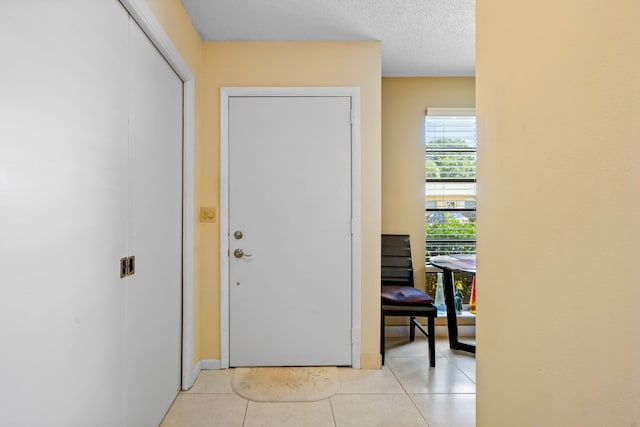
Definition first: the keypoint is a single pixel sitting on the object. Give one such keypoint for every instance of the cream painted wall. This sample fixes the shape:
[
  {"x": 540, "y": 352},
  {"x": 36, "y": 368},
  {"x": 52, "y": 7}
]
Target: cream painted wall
[
  {"x": 174, "y": 19},
  {"x": 301, "y": 64},
  {"x": 404, "y": 102},
  {"x": 558, "y": 103}
]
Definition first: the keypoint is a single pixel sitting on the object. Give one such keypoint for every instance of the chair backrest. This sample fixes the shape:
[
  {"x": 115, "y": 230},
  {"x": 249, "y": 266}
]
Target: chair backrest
[{"x": 397, "y": 265}]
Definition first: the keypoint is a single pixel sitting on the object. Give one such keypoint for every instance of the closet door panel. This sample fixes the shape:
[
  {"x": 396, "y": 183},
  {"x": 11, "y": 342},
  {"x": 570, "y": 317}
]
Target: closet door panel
[
  {"x": 153, "y": 313},
  {"x": 63, "y": 158}
]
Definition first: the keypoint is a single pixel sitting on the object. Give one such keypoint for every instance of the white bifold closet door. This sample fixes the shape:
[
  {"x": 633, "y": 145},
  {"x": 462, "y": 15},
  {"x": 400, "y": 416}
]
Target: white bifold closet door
[
  {"x": 154, "y": 292},
  {"x": 63, "y": 217},
  {"x": 90, "y": 172}
]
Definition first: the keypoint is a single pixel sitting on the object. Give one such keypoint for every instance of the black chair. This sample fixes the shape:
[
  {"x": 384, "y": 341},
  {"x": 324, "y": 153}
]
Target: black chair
[{"x": 399, "y": 296}]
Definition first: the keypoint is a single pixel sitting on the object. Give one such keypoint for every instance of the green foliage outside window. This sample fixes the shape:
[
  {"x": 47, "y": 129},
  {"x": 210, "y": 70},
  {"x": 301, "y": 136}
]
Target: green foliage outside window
[
  {"x": 451, "y": 228},
  {"x": 447, "y": 164}
]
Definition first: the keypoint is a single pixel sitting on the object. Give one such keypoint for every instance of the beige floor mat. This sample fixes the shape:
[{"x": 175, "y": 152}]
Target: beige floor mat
[{"x": 286, "y": 384}]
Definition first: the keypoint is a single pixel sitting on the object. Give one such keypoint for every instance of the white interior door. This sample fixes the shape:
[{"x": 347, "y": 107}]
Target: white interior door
[
  {"x": 63, "y": 159},
  {"x": 153, "y": 313},
  {"x": 290, "y": 197}
]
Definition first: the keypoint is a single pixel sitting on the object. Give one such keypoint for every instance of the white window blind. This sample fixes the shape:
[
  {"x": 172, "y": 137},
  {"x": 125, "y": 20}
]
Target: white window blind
[{"x": 450, "y": 181}]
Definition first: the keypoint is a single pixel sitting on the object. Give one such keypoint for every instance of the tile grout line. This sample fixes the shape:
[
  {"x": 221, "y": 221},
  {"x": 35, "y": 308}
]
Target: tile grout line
[
  {"x": 333, "y": 414},
  {"x": 453, "y": 360},
  {"x": 465, "y": 374},
  {"x": 408, "y": 395},
  {"x": 246, "y": 410},
  {"x": 449, "y": 357}
]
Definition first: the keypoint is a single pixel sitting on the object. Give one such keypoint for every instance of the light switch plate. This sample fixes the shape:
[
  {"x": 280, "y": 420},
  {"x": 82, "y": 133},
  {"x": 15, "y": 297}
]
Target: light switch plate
[{"x": 207, "y": 214}]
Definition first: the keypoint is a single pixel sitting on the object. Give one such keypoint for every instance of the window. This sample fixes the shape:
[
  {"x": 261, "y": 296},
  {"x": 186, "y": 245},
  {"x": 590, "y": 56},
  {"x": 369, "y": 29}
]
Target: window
[{"x": 450, "y": 181}]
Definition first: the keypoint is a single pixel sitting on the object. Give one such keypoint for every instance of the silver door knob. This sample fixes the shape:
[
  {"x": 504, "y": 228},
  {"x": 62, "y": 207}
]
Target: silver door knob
[{"x": 238, "y": 253}]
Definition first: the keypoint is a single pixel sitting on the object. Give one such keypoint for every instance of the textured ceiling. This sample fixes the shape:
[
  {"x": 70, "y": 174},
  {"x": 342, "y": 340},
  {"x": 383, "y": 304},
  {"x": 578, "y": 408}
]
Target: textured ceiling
[{"x": 419, "y": 37}]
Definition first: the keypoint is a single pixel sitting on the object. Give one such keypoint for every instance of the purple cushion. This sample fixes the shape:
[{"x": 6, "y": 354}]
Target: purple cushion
[{"x": 408, "y": 295}]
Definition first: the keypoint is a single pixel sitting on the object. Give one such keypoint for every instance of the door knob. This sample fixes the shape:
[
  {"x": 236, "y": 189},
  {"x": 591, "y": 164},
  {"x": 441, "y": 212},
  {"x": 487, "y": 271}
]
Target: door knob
[{"x": 238, "y": 253}]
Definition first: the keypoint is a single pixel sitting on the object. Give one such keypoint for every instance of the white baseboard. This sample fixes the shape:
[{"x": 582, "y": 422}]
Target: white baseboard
[
  {"x": 187, "y": 383},
  {"x": 210, "y": 364},
  {"x": 203, "y": 364}
]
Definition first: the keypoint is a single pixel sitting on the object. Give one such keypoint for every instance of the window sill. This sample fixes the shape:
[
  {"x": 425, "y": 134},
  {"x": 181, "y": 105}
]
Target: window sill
[{"x": 464, "y": 318}]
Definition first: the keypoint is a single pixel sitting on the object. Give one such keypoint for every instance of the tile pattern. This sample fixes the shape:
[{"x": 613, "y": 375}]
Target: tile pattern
[{"x": 405, "y": 392}]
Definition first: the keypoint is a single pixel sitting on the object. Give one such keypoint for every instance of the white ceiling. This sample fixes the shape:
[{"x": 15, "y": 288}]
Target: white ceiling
[{"x": 419, "y": 37}]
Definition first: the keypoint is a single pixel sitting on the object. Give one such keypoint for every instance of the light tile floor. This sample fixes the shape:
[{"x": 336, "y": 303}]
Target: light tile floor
[{"x": 404, "y": 393}]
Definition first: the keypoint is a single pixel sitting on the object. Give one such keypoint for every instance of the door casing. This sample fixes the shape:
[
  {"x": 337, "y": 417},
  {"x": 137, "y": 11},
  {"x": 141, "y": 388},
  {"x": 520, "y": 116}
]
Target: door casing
[{"x": 225, "y": 94}]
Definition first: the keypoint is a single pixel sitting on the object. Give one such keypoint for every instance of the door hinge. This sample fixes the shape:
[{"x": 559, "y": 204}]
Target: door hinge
[{"x": 127, "y": 266}]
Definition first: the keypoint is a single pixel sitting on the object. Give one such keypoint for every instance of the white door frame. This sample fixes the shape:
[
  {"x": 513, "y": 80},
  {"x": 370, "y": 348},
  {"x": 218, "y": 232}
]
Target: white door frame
[
  {"x": 354, "y": 93},
  {"x": 144, "y": 17}
]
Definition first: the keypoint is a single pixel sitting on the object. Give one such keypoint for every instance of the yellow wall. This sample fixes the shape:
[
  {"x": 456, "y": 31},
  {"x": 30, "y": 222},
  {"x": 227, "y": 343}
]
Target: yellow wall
[
  {"x": 305, "y": 64},
  {"x": 558, "y": 104},
  {"x": 404, "y": 103}
]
